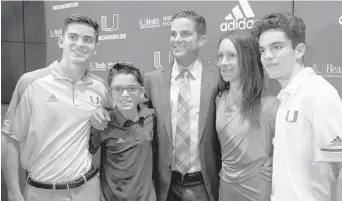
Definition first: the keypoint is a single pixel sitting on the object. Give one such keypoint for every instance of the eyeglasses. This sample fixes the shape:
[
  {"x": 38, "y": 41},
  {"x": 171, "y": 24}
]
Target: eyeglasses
[{"x": 118, "y": 90}]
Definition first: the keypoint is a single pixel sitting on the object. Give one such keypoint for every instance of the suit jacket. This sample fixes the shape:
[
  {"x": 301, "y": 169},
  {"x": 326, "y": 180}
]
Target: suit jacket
[{"x": 157, "y": 89}]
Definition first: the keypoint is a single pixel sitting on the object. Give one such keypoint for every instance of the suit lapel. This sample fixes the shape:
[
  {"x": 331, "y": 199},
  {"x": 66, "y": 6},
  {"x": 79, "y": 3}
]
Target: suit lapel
[
  {"x": 164, "y": 90},
  {"x": 206, "y": 90}
]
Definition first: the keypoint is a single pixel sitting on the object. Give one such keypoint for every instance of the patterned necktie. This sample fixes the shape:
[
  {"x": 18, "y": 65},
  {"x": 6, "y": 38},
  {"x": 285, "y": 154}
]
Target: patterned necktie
[{"x": 182, "y": 135}]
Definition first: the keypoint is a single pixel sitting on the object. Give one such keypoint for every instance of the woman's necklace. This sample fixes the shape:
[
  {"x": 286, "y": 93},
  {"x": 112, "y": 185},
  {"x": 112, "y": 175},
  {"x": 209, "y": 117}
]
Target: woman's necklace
[{"x": 229, "y": 104}]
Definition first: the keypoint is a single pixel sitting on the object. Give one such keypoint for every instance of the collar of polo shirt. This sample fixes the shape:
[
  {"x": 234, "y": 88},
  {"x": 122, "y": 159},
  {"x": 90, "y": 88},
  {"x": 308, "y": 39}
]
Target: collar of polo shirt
[
  {"x": 117, "y": 118},
  {"x": 57, "y": 73},
  {"x": 297, "y": 81}
]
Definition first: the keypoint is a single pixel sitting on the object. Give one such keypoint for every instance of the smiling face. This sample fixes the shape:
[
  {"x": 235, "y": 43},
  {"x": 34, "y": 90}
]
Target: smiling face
[
  {"x": 228, "y": 61},
  {"x": 126, "y": 91},
  {"x": 278, "y": 57},
  {"x": 78, "y": 43},
  {"x": 184, "y": 40}
]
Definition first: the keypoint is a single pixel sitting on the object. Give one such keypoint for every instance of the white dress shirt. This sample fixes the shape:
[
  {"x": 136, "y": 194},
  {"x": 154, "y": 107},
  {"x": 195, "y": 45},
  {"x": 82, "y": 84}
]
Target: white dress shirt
[{"x": 195, "y": 96}]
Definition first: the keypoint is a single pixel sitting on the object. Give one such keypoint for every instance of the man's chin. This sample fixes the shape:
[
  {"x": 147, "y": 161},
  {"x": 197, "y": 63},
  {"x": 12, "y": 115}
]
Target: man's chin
[
  {"x": 81, "y": 57},
  {"x": 179, "y": 55},
  {"x": 125, "y": 107},
  {"x": 79, "y": 60}
]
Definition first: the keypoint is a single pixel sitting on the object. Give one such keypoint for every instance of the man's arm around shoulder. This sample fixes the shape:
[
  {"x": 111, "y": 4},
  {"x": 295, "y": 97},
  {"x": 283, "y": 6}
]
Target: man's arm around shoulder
[{"x": 95, "y": 140}]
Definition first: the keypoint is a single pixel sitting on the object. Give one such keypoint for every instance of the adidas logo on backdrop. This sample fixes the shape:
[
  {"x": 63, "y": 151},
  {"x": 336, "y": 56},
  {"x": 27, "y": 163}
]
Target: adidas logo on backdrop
[{"x": 240, "y": 19}]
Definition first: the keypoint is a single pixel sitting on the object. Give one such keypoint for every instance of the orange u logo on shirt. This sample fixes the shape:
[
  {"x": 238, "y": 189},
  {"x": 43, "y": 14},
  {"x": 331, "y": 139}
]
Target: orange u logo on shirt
[
  {"x": 149, "y": 135},
  {"x": 97, "y": 100},
  {"x": 291, "y": 116}
]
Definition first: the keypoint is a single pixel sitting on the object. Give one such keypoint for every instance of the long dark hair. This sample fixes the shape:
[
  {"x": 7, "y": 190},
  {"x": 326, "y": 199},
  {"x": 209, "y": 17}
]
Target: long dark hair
[{"x": 251, "y": 73}]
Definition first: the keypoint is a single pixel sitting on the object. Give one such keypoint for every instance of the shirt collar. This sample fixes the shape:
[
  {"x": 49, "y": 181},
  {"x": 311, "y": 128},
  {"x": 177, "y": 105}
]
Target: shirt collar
[
  {"x": 295, "y": 83},
  {"x": 57, "y": 73},
  {"x": 193, "y": 68},
  {"x": 117, "y": 118}
]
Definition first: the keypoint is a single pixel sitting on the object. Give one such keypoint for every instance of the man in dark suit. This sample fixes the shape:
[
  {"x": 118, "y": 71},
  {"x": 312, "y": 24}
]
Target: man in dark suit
[{"x": 187, "y": 150}]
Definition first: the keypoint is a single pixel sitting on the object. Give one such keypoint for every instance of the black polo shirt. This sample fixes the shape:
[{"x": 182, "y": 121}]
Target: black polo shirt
[{"x": 126, "y": 156}]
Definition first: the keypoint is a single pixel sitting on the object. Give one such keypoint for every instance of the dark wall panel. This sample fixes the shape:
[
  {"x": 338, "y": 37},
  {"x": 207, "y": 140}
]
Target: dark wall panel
[
  {"x": 12, "y": 67},
  {"x": 35, "y": 56},
  {"x": 12, "y": 28},
  {"x": 23, "y": 42},
  {"x": 34, "y": 22}
]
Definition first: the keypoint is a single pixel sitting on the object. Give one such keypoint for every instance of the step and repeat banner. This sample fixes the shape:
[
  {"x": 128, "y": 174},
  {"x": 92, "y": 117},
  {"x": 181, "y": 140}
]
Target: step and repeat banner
[
  {"x": 138, "y": 32},
  {"x": 324, "y": 38}
]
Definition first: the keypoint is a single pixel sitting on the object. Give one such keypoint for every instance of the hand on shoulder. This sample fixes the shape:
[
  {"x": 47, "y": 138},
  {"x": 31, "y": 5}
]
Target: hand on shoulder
[{"x": 270, "y": 103}]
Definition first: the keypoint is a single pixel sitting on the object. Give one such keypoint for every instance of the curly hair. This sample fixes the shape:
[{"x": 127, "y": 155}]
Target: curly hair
[{"x": 293, "y": 26}]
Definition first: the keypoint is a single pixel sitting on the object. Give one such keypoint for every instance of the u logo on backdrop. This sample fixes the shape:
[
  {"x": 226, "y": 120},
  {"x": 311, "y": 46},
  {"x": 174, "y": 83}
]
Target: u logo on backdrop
[{"x": 114, "y": 24}]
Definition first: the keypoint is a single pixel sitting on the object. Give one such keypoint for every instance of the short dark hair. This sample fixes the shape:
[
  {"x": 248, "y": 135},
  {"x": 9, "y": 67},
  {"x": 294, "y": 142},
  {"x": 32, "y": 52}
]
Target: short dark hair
[
  {"x": 251, "y": 73},
  {"x": 124, "y": 68},
  {"x": 82, "y": 19},
  {"x": 293, "y": 26},
  {"x": 201, "y": 25}
]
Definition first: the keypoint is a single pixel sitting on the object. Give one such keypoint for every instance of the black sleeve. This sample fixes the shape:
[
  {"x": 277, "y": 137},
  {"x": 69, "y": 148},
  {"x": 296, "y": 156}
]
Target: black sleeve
[
  {"x": 147, "y": 87},
  {"x": 95, "y": 140},
  {"x": 155, "y": 150}
]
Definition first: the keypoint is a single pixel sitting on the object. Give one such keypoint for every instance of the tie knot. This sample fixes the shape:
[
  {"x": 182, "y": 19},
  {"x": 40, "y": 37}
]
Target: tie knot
[{"x": 185, "y": 73}]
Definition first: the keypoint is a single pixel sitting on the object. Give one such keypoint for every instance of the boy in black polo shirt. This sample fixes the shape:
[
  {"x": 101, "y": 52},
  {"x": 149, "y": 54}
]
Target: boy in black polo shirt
[{"x": 126, "y": 154}]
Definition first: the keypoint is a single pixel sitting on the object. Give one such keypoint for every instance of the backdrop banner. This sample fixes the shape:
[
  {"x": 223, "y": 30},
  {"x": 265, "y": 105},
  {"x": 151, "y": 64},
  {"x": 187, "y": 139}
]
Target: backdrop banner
[{"x": 139, "y": 32}]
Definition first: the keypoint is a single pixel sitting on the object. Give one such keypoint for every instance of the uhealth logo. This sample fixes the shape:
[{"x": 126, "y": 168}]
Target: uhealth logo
[
  {"x": 328, "y": 70},
  {"x": 238, "y": 19}
]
